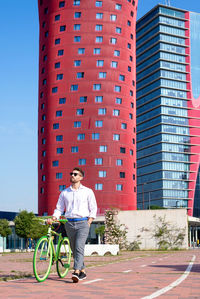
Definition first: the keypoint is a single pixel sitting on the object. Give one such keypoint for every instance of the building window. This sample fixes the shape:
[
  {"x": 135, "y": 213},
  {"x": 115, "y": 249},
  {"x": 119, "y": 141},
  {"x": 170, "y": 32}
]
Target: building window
[
  {"x": 77, "y": 39},
  {"x": 123, "y": 126},
  {"x": 113, "y": 40},
  {"x": 95, "y": 136},
  {"x": 129, "y": 46},
  {"x": 98, "y": 186},
  {"x": 122, "y": 150},
  {"x": 59, "y": 175},
  {"x": 81, "y": 50},
  {"x": 59, "y": 77},
  {"x": 98, "y": 27},
  {"x": 60, "y": 52},
  {"x": 102, "y": 174},
  {"x": 57, "y": 17},
  {"x": 44, "y": 82},
  {"x": 62, "y": 28},
  {"x": 43, "y": 153},
  {"x": 96, "y": 86},
  {"x": 132, "y": 105},
  {"x": 42, "y": 130},
  {"x": 99, "y": 16},
  {"x": 131, "y": 93},
  {"x": 45, "y": 58},
  {"x": 41, "y": 94},
  {"x": 80, "y": 111},
  {"x": 59, "y": 138},
  {"x": 61, "y": 4},
  {"x": 119, "y": 162},
  {"x": 76, "y": 2},
  {"x": 43, "y": 70},
  {"x": 42, "y": 106},
  {"x": 42, "y": 190},
  {"x": 43, "y": 47},
  {"x": 119, "y": 187},
  {"x": 74, "y": 87},
  {"x": 117, "y": 88},
  {"x": 74, "y": 149},
  {"x": 43, "y": 140},
  {"x": 57, "y": 41},
  {"x": 103, "y": 148},
  {"x": 129, "y": 23},
  {"x": 77, "y": 27},
  {"x": 55, "y": 163},
  {"x": 116, "y": 53},
  {"x": 82, "y": 162},
  {"x": 98, "y": 99},
  {"x": 121, "y": 77},
  {"x": 131, "y": 36},
  {"x": 43, "y": 117},
  {"x": 133, "y": 140},
  {"x": 116, "y": 137},
  {"x": 81, "y": 136},
  {"x": 77, "y": 124},
  {"x": 54, "y": 89},
  {"x": 83, "y": 99},
  {"x": 97, "y": 51},
  {"x": 99, "y": 123},
  {"x": 59, "y": 150},
  {"x": 62, "y": 187},
  {"x": 77, "y": 62},
  {"x": 57, "y": 65},
  {"x": 118, "y": 30},
  {"x": 113, "y": 17},
  {"x": 43, "y": 178},
  {"x": 118, "y": 101},
  {"x": 118, "y": 6},
  {"x": 122, "y": 175},
  {"x": 114, "y": 64},
  {"x": 77, "y": 14},
  {"x": 102, "y": 111},
  {"x": 80, "y": 75},
  {"x": 100, "y": 62},
  {"x": 133, "y": 177},
  {"x": 102, "y": 75},
  {"x": 56, "y": 126},
  {"x": 98, "y": 161},
  {"x": 46, "y": 34},
  {"x": 131, "y": 152},
  {"x": 99, "y": 39},
  {"x": 62, "y": 100},
  {"x": 130, "y": 115},
  {"x": 98, "y": 3}
]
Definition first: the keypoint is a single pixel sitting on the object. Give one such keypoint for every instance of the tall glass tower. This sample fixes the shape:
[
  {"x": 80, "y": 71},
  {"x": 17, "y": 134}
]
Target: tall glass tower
[
  {"x": 168, "y": 109},
  {"x": 87, "y": 100}
]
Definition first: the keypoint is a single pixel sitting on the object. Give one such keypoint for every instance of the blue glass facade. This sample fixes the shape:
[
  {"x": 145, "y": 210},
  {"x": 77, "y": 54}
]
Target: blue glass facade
[{"x": 163, "y": 137}]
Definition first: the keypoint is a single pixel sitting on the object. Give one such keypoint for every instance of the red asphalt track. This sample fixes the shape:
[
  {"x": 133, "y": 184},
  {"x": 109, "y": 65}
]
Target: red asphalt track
[{"x": 174, "y": 275}]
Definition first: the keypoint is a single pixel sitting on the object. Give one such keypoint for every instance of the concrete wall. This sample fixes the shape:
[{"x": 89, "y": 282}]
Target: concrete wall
[{"x": 143, "y": 223}]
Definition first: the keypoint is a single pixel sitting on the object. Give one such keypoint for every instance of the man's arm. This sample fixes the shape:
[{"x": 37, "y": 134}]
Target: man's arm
[{"x": 92, "y": 205}]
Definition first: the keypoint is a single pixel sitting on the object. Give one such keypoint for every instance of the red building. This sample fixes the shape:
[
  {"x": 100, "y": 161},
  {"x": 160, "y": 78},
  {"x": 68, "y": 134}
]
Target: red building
[{"x": 87, "y": 99}]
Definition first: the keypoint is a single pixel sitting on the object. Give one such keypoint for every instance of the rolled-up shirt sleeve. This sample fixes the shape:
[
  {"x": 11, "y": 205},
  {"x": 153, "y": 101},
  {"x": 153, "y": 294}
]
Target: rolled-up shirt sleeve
[
  {"x": 60, "y": 207},
  {"x": 92, "y": 204}
]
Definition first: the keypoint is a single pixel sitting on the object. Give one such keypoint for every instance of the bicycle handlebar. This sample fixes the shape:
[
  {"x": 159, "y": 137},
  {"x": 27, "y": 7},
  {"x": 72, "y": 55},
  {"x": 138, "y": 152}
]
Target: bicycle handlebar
[{"x": 62, "y": 220}]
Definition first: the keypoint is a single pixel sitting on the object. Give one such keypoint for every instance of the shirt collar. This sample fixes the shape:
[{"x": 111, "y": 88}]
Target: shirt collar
[{"x": 74, "y": 190}]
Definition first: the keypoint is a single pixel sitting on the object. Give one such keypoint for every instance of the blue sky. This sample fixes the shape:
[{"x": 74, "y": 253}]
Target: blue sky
[{"x": 18, "y": 99}]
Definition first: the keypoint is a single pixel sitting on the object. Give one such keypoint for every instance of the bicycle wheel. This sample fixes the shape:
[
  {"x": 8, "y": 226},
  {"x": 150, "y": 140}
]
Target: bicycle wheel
[
  {"x": 64, "y": 258},
  {"x": 42, "y": 259}
]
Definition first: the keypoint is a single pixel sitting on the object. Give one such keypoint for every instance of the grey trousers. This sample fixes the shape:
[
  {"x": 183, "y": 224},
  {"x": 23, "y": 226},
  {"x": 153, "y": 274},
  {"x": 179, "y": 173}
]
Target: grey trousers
[{"x": 77, "y": 233}]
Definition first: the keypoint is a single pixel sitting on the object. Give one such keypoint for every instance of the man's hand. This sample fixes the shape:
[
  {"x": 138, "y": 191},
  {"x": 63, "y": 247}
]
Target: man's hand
[
  {"x": 51, "y": 220},
  {"x": 90, "y": 221}
]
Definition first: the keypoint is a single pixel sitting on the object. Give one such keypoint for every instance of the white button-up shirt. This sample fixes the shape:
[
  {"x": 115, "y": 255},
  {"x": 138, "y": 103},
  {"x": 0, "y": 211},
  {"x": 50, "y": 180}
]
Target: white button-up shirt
[{"x": 76, "y": 203}]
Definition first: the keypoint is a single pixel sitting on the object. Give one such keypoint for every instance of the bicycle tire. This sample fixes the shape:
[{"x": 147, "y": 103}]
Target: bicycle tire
[
  {"x": 42, "y": 259},
  {"x": 64, "y": 258}
]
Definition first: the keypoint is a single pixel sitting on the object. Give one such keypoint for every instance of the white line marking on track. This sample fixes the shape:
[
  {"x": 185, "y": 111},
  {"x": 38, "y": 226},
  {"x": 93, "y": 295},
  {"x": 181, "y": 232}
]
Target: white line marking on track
[
  {"x": 91, "y": 281},
  {"x": 143, "y": 266},
  {"x": 127, "y": 271},
  {"x": 153, "y": 262},
  {"x": 173, "y": 284}
]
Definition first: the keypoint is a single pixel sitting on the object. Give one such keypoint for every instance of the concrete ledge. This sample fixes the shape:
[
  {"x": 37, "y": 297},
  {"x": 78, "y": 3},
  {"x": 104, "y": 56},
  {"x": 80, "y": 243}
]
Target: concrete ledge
[{"x": 101, "y": 249}]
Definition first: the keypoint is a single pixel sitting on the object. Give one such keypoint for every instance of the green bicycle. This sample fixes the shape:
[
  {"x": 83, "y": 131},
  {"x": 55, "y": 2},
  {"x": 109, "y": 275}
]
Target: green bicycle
[{"x": 45, "y": 254}]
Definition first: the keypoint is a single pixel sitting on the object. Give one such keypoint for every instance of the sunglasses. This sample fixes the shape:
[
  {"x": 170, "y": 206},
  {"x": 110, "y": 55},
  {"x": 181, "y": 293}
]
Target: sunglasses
[{"x": 74, "y": 173}]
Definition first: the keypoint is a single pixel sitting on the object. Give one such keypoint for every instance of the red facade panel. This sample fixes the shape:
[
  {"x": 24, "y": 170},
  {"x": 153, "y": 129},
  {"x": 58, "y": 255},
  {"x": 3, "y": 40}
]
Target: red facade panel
[{"x": 87, "y": 86}]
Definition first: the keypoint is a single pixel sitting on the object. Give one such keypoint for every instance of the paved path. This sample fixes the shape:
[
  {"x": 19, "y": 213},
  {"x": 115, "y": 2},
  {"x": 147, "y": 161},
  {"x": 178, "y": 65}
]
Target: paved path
[{"x": 143, "y": 275}]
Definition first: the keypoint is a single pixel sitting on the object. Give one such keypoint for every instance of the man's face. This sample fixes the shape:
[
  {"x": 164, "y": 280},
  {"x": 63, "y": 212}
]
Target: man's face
[{"x": 75, "y": 176}]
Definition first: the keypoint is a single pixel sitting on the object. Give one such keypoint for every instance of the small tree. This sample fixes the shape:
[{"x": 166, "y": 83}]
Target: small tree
[
  {"x": 100, "y": 230},
  {"x": 23, "y": 224},
  {"x": 115, "y": 233},
  {"x": 5, "y": 230}
]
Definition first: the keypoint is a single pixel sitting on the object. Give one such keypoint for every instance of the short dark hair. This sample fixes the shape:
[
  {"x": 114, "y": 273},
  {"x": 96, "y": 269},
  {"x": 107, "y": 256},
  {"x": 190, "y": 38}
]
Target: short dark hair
[{"x": 80, "y": 170}]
